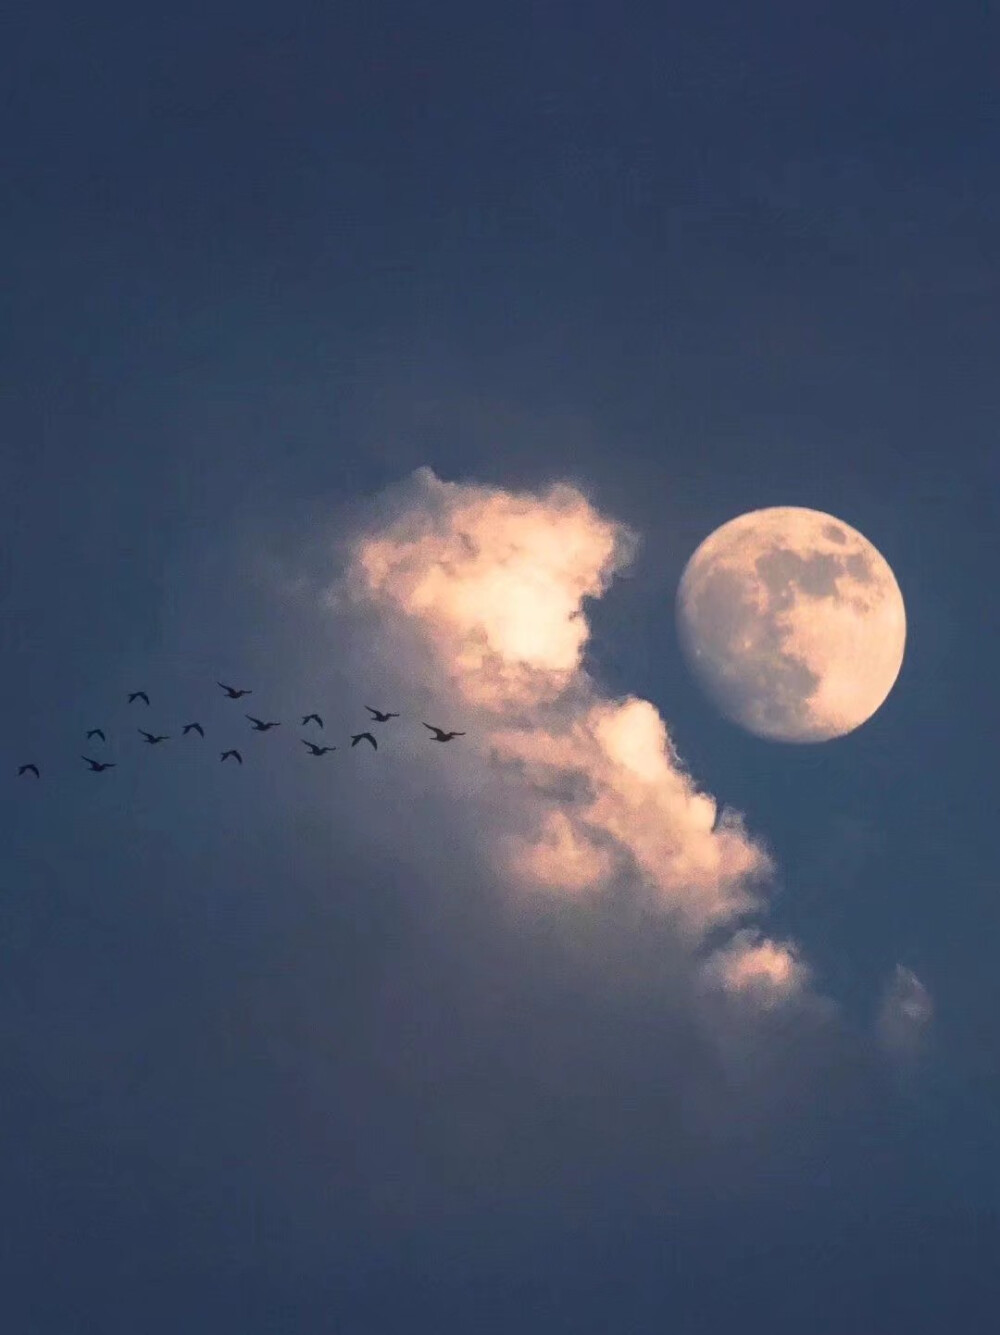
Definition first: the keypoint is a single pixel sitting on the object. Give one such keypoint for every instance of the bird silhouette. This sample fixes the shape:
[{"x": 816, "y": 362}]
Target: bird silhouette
[
  {"x": 440, "y": 735},
  {"x": 96, "y": 732},
  {"x": 23, "y": 769},
  {"x": 138, "y": 695},
  {"x": 98, "y": 765},
  {"x": 233, "y": 692},
  {"x": 152, "y": 738},
  {"x": 378, "y": 716},
  {"x": 312, "y": 716},
  {"x": 361, "y": 736},
  {"x": 317, "y": 750},
  {"x": 259, "y": 725},
  {"x": 193, "y": 727},
  {"x": 236, "y": 754}
]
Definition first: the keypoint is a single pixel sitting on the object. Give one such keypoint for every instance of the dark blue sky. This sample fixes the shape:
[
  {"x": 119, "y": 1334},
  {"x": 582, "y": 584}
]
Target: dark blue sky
[{"x": 260, "y": 263}]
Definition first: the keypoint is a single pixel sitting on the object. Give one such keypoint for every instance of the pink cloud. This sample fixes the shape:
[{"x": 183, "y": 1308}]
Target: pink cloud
[
  {"x": 760, "y": 970},
  {"x": 485, "y": 589}
]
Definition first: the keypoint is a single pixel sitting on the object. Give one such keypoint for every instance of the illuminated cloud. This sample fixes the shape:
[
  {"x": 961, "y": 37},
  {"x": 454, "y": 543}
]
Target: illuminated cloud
[
  {"x": 905, "y": 1013},
  {"x": 497, "y": 582},
  {"x": 766, "y": 973},
  {"x": 490, "y": 586},
  {"x": 633, "y": 811}
]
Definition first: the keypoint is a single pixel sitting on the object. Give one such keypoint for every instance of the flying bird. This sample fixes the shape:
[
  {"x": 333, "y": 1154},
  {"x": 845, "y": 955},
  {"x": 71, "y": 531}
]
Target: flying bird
[
  {"x": 312, "y": 716},
  {"x": 23, "y": 769},
  {"x": 440, "y": 735},
  {"x": 96, "y": 732},
  {"x": 317, "y": 750},
  {"x": 152, "y": 738},
  {"x": 378, "y": 716},
  {"x": 98, "y": 765},
  {"x": 360, "y": 736},
  {"x": 138, "y": 695},
  {"x": 235, "y": 754},
  {"x": 233, "y": 692},
  {"x": 193, "y": 727},
  {"x": 259, "y": 725}
]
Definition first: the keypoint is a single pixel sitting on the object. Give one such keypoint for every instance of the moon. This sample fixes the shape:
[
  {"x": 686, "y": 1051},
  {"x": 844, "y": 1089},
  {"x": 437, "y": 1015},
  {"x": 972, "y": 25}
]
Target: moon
[{"x": 792, "y": 623}]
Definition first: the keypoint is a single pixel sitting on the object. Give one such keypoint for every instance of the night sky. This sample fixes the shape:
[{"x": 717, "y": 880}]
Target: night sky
[{"x": 332, "y": 1044}]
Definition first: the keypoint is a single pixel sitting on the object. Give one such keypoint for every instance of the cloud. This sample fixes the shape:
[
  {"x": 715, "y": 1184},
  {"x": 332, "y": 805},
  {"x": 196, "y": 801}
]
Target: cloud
[
  {"x": 904, "y": 1015},
  {"x": 486, "y": 589},
  {"x": 766, "y": 973},
  {"x": 497, "y": 581},
  {"x": 527, "y": 965}
]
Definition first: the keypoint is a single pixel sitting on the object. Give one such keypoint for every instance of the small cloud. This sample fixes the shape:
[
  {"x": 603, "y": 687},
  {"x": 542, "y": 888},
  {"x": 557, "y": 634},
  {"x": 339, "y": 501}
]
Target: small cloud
[
  {"x": 905, "y": 1014},
  {"x": 765, "y": 973}
]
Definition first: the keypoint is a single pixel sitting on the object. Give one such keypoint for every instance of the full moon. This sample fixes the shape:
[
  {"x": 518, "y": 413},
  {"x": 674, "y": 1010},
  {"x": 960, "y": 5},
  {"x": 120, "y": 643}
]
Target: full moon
[{"x": 792, "y": 623}]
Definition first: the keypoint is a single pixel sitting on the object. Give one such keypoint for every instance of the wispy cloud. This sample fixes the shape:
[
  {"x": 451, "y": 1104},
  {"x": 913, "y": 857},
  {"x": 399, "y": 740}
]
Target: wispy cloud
[{"x": 905, "y": 1014}]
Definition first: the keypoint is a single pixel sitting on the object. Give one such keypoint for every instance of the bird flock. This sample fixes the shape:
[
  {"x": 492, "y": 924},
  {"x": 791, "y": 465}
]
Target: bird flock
[{"x": 233, "y": 753}]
